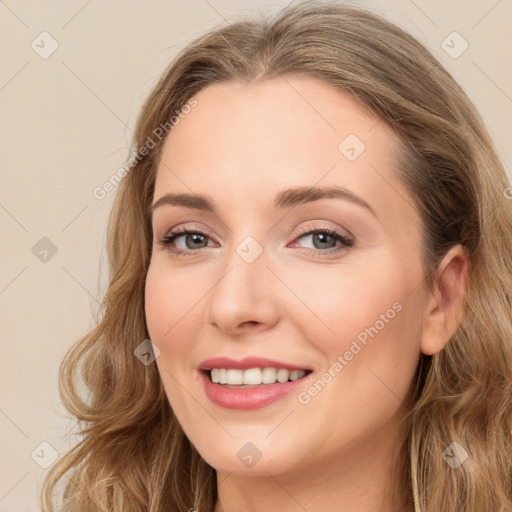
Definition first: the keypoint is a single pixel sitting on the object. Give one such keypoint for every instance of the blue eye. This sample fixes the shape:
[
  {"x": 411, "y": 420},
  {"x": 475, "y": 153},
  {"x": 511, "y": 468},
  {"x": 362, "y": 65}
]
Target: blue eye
[
  {"x": 323, "y": 235},
  {"x": 320, "y": 235},
  {"x": 189, "y": 234}
]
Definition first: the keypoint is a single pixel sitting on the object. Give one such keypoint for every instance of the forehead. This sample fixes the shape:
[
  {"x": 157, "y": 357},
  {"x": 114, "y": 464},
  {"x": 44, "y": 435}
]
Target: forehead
[
  {"x": 244, "y": 142},
  {"x": 275, "y": 113}
]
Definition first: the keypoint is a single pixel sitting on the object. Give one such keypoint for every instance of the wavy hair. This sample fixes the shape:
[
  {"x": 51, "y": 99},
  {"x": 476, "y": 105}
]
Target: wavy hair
[{"x": 133, "y": 454}]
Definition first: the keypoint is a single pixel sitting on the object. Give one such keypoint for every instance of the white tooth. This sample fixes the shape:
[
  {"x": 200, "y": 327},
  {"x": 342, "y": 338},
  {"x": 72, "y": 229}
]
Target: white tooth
[
  {"x": 297, "y": 374},
  {"x": 234, "y": 377},
  {"x": 252, "y": 376},
  {"x": 268, "y": 375},
  {"x": 283, "y": 375}
]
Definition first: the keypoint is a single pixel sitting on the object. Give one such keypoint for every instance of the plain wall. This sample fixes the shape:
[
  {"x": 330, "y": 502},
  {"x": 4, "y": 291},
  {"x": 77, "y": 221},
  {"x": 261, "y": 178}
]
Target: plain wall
[{"x": 66, "y": 124}]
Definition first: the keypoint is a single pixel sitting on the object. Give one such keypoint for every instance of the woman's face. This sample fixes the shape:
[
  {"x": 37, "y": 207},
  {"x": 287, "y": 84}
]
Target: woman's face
[{"x": 258, "y": 281}]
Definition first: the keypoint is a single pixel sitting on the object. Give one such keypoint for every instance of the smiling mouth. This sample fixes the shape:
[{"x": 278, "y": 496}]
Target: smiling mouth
[{"x": 253, "y": 377}]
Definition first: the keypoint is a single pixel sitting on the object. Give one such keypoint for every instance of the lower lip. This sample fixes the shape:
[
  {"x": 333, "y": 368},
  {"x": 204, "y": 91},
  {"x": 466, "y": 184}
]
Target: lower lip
[{"x": 249, "y": 398}]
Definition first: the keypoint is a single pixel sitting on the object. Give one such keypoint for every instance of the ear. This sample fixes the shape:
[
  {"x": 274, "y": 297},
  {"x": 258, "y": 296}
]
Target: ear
[{"x": 444, "y": 310}]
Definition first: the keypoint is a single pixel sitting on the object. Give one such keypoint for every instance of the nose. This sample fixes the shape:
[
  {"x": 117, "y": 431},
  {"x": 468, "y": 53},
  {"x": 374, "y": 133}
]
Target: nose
[{"x": 245, "y": 297}]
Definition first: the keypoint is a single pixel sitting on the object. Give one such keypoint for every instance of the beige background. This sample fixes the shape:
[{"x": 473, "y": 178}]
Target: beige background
[{"x": 66, "y": 126}]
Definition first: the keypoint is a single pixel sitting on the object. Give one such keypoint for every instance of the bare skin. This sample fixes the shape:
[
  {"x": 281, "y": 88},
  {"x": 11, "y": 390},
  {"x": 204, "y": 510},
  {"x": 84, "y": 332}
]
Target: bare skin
[{"x": 304, "y": 300}]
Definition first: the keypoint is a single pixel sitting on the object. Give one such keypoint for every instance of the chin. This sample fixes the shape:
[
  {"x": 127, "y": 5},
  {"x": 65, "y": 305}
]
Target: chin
[{"x": 247, "y": 458}]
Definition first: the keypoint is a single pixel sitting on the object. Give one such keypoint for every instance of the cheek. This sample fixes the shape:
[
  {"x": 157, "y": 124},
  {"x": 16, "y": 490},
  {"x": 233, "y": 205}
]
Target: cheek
[
  {"x": 380, "y": 344},
  {"x": 369, "y": 337},
  {"x": 347, "y": 301},
  {"x": 170, "y": 303},
  {"x": 372, "y": 319},
  {"x": 170, "y": 317}
]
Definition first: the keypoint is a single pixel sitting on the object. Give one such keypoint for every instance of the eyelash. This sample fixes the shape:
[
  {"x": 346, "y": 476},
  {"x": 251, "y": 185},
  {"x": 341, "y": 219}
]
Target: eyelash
[{"x": 345, "y": 242}]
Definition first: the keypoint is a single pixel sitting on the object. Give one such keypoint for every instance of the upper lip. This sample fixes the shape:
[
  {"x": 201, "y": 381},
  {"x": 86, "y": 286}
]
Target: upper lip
[{"x": 248, "y": 362}]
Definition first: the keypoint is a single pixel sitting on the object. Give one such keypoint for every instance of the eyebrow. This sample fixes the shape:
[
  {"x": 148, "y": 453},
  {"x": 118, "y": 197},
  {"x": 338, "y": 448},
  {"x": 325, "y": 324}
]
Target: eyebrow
[{"x": 288, "y": 198}]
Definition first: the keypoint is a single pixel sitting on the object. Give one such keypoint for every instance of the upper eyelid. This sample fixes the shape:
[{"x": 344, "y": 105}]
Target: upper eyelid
[{"x": 303, "y": 229}]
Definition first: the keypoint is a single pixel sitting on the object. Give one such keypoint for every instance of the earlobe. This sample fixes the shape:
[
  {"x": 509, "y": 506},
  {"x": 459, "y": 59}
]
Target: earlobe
[{"x": 445, "y": 307}]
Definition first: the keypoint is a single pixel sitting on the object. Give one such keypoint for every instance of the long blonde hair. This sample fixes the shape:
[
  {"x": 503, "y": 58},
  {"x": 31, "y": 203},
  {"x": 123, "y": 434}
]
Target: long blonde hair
[{"x": 133, "y": 455}]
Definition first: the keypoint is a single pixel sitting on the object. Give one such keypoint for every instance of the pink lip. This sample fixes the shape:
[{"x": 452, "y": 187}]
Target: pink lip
[
  {"x": 249, "y": 398},
  {"x": 253, "y": 397},
  {"x": 246, "y": 363}
]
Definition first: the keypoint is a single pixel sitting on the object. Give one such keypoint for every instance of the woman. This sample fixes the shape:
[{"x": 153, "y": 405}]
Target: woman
[{"x": 371, "y": 373}]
